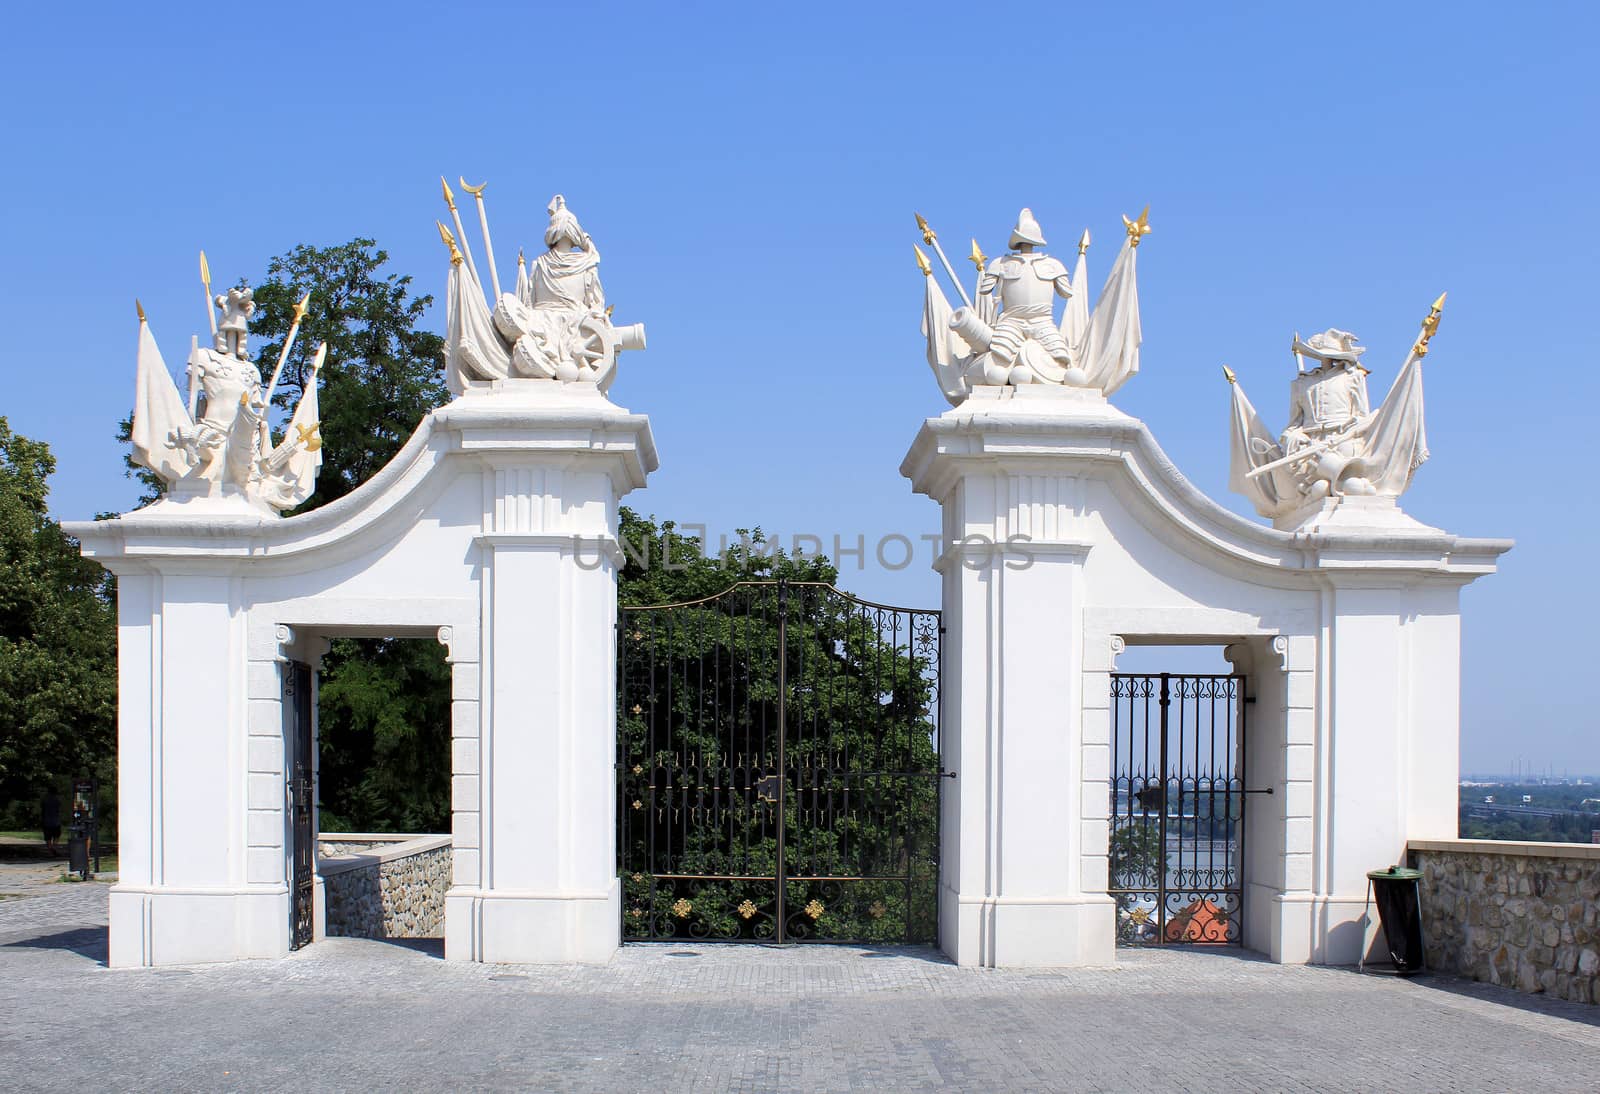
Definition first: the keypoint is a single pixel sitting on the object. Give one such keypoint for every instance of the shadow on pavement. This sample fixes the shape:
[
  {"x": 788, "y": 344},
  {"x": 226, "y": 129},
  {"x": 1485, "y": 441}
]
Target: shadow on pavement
[
  {"x": 1585, "y": 1013},
  {"x": 87, "y": 942}
]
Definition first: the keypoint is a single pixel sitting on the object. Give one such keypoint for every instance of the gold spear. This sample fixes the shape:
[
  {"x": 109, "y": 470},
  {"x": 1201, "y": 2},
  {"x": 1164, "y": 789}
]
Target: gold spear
[
  {"x": 211, "y": 304},
  {"x": 1228, "y": 372},
  {"x": 483, "y": 222},
  {"x": 1430, "y": 327},
  {"x": 138, "y": 307},
  {"x": 1083, "y": 243},
  {"x": 288, "y": 344},
  {"x": 931, "y": 238},
  {"x": 449, "y": 241},
  {"x": 922, "y": 262},
  {"x": 450, "y": 200}
]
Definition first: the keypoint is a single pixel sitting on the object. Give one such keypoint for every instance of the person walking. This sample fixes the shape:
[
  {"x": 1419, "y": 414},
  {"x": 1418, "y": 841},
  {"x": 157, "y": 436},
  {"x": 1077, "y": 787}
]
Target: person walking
[{"x": 50, "y": 821}]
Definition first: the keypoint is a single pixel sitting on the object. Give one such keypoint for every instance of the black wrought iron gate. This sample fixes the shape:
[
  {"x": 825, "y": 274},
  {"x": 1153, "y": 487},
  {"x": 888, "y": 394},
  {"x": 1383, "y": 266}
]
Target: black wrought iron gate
[
  {"x": 778, "y": 767},
  {"x": 1177, "y": 808},
  {"x": 297, "y": 700}
]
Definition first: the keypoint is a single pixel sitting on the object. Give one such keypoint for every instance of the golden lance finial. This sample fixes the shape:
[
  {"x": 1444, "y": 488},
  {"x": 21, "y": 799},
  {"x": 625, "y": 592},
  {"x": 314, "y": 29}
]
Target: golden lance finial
[
  {"x": 300, "y": 308},
  {"x": 138, "y": 307},
  {"x": 609, "y": 309},
  {"x": 449, "y": 198},
  {"x": 1430, "y": 327},
  {"x": 321, "y": 356},
  {"x": 977, "y": 257},
  {"x": 1083, "y": 242},
  {"x": 449, "y": 241},
  {"x": 520, "y": 260},
  {"x": 922, "y": 262},
  {"x": 473, "y": 190},
  {"x": 928, "y": 234},
  {"x": 211, "y": 304},
  {"x": 1228, "y": 372},
  {"x": 1137, "y": 229}
]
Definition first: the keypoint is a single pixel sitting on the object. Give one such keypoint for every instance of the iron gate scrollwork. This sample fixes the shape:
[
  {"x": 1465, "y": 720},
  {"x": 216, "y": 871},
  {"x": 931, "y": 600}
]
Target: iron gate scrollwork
[
  {"x": 779, "y": 771},
  {"x": 302, "y": 803},
  {"x": 1177, "y": 808}
]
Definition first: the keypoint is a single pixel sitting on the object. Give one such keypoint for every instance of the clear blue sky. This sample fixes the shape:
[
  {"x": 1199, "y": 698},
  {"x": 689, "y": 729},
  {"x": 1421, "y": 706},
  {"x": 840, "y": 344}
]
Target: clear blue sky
[{"x": 750, "y": 172}]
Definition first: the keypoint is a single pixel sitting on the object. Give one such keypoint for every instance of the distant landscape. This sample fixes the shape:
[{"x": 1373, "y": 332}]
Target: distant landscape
[{"x": 1560, "y": 810}]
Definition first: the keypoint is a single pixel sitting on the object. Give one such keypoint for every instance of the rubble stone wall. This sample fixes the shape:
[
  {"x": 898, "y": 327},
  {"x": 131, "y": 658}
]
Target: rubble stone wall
[
  {"x": 1524, "y": 915},
  {"x": 392, "y": 889}
]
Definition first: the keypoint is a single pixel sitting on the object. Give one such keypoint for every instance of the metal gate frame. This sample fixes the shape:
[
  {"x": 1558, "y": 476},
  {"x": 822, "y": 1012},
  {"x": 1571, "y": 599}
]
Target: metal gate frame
[
  {"x": 778, "y": 780},
  {"x": 302, "y": 802},
  {"x": 1197, "y": 899}
]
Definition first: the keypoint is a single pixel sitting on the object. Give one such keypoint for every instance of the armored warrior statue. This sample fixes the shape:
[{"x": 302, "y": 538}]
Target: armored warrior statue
[
  {"x": 1335, "y": 445},
  {"x": 1009, "y": 337},
  {"x": 556, "y": 326},
  {"x": 224, "y": 448},
  {"x": 1026, "y": 282}
]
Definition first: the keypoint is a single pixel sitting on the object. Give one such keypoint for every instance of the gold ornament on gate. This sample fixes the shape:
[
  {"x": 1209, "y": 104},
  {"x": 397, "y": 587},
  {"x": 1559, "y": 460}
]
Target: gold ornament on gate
[
  {"x": 747, "y": 909},
  {"x": 681, "y": 907}
]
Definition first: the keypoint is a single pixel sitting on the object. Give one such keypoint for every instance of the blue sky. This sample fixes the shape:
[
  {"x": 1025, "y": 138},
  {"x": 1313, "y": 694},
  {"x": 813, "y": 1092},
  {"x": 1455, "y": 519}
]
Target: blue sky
[{"x": 750, "y": 173}]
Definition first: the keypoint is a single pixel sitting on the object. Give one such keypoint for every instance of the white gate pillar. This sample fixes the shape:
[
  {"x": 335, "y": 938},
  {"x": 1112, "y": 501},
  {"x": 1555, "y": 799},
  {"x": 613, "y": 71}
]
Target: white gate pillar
[
  {"x": 543, "y": 885},
  {"x": 1023, "y": 854}
]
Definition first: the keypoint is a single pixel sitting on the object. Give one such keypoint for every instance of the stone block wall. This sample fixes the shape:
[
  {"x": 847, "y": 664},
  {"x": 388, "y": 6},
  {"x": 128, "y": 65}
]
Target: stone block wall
[
  {"x": 393, "y": 888},
  {"x": 1524, "y": 915}
]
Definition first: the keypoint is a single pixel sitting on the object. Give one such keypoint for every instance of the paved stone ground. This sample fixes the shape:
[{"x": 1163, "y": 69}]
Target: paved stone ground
[{"x": 354, "y": 1014}]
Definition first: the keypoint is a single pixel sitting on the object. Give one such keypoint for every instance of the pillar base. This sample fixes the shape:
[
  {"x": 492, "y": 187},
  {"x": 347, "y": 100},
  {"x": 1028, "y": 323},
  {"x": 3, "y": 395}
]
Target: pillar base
[
  {"x": 501, "y": 926},
  {"x": 151, "y": 927},
  {"x": 1019, "y": 933}
]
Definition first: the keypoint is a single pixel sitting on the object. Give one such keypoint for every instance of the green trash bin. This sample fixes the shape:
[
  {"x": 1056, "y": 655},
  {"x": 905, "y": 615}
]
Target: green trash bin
[{"x": 1398, "y": 892}]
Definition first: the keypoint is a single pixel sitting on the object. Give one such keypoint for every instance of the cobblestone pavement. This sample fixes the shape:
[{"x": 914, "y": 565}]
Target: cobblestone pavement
[{"x": 353, "y": 1014}]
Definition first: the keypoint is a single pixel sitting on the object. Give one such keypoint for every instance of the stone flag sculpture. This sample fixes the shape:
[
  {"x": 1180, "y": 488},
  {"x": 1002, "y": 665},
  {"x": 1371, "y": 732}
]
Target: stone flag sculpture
[
  {"x": 556, "y": 325},
  {"x": 1335, "y": 444},
  {"x": 221, "y": 448},
  {"x": 1009, "y": 336}
]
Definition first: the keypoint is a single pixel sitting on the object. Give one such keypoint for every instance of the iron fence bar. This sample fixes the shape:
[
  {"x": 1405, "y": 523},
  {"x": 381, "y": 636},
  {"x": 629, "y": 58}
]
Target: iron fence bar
[{"x": 783, "y": 779}]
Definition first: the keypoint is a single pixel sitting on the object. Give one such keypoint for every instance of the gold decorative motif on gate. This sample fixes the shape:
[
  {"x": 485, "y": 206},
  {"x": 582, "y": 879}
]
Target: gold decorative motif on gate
[
  {"x": 637, "y": 709},
  {"x": 638, "y": 879},
  {"x": 638, "y": 769},
  {"x": 815, "y": 909},
  {"x": 637, "y": 804},
  {"x": 877, "y": 909},
  {"x": 681, "y": 907},
  {"x": 637, "y": 913},
  {"x": 747, "y": 909}
]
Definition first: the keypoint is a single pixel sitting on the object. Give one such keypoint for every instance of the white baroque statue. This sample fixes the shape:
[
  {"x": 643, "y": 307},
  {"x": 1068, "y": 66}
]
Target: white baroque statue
[
  {"x": 223, "y": 448},
  {"x": 555, "y": 326},
  {"x": 1009, "y": 336},
  {"x": 1335, "y": 444}
]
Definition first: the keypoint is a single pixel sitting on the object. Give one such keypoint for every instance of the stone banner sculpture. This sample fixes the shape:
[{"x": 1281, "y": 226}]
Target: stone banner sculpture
[
  {"x": 1009, "y": 336},
  {"x": 555, "y": 326},
  {"x": 221, "y": 448},
  {"x": 1335, "y": 444}
]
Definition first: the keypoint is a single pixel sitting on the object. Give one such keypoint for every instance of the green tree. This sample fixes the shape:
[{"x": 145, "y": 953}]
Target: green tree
[
  {"x": 57, "y": 635},
  {"x": 382, "y": 374}
]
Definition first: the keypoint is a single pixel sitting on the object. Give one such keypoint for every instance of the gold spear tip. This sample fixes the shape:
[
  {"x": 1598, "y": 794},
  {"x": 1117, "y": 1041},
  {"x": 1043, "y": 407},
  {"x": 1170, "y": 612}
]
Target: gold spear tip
[
  {"x": 928, "y": 234},
  {"x": 449, "y": 241},
  {"x": 922, "y": 262},
  {"x": 138, "y": 307},
  {"x": 609, "y": 309},
  {"x": 320, "y": 356},
  {"x": 977, "y": 256},
  {"x": 1228, "y": 372},
  {"x": 205, "y": 271},
  {"x": 300, "y": 308},
  {"x": 473, "y": 190},
  {"x": 1083, "y": 242},
  {"x": 1438, "y": 305},
  {"x": 520, "y": 261},
  {"x": 449, "y": 198}
]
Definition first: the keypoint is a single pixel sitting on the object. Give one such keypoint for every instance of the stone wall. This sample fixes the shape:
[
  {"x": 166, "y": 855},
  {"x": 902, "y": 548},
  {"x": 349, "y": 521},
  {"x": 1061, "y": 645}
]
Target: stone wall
[
  {"x": 393, "y": 888},
  {"x": 1525, "y": 915}
]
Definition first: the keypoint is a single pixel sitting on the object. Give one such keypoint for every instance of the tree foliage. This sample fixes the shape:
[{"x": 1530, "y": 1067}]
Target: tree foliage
[
  {"x": 382, "y": 374},
  {"x": 57, "y": 635}
]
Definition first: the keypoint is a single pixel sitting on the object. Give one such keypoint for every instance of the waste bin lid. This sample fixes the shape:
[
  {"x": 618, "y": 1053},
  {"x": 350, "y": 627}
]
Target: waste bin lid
[{"x": 1395, "y": 873}]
